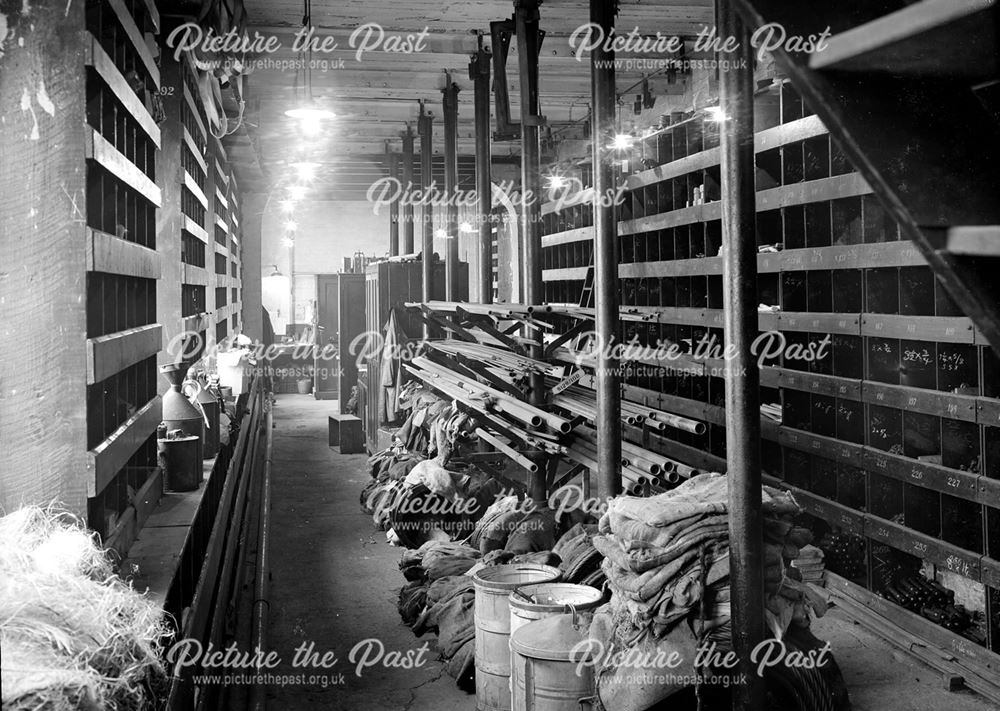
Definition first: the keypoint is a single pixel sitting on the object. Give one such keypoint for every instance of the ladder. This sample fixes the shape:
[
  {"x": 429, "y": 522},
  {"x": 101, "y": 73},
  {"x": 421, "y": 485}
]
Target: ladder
[{"x": 587, "y": 294}]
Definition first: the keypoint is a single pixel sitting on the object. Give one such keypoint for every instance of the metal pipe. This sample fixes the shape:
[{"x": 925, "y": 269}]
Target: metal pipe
[
  {"x": 425, "y": 128},
  {"x": 512, "y": 453},
  {"x": 449, "y": 102},
  {"x": 479, "y": 72},
  {"x": 261, "y": 603},
  {"x": 407, "y": 181},
  {"x": 739, "y": 299},
  {"x": 393, "y": 160},
  {"x": 602, "y": 88}
]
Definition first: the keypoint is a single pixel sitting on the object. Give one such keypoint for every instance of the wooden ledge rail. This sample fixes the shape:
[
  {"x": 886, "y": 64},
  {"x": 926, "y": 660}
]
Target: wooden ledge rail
[
  {"x": 109, "y": 354},
  {"x": 107, "y": 459}
]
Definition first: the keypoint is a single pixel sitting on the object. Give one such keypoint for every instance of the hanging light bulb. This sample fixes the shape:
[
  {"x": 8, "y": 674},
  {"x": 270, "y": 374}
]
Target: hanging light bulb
[
  {"x": 310, "y": 118},
  {"x": 291, "y": 226},
  {"x": 306, "y": 170},
  {"x": 287, "y": 205},
  {"x": 297, "y": 192},
  {"x": 622, "y": 142},
  {"x": 554, "y": 182},
  {"x": 288, "y": 241},
  {"x": 440, "y": 233},
  {"x": 465, "y": 227},
  {"x": 715, "y": 114}
]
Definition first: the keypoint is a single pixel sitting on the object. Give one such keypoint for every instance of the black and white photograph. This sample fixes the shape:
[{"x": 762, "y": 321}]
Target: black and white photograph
[{"x": 499, "y": 355}]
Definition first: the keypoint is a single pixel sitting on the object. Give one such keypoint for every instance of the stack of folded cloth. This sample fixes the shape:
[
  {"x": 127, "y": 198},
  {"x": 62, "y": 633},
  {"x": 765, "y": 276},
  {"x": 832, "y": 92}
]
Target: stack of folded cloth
[
  {"x": 667, "y": 554},
  {"x": 810, "y": 565},
  {"x": 580, "y": 561}
]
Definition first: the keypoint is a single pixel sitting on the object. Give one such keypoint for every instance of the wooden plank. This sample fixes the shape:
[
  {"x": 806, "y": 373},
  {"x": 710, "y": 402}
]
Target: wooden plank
[
  {"x": 190, "y": 274},
  {"x": 194, "y": 229},
  {"x": 832, "y": 188},
  {"x": 220, "y": 248},
  {"x": 791, "y": 132},
  {"x": 192, "y": 185},
  {"x": 930, "y": 402},
  {"x": 195, "y": 106},
  {"x": 827, "y": 447},
  {"x": 106, "y": 459},
  {"x": 897, "y": 43},
  {"x": 113, "y": 255},
  {"x": 833, "y": 513},
  {"x": 703, "y": 266},
  {"x": 98, "y": 149},
  {"x": 922, "y": 328},
  {"x": 925, "y": 547},
  {"x": 966, "y": 651},
  {"x": 568, "y": 274},
  {"x": 991, "y": 572},
  {"x": 829, "y": 385},
  {"x": 988, "y": 411},
  {"x": 974, "y": 241},
  {"x": 580, "y": 234},
  {"x": 195, "y": 151},
  {"x": 105, "y": 67},
  {"x": 935, "y": 477},
  {"x": 221, "y": 199},
  {"x": 221, "y": 222},
  {"x": 840, "y": 323},
  {"x": 107, "y": 355},
  {"x": 137, "y": 40}
]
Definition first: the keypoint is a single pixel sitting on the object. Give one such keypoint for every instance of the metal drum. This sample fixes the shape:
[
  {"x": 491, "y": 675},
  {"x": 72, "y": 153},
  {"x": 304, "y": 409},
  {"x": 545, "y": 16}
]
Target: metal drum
[
  {"x": 536, "y": 602},
  {"x": 180, "y": 461},
  {"x": 551, "y": 666},
  {"x": 493, "y": 588}
]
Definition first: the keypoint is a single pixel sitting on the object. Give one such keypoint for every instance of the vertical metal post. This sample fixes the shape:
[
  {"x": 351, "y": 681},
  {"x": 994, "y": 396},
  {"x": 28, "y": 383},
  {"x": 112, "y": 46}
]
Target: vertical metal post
[
  {"x": 393, "y": 163},
  {"x": 425, "y": 128},
  {"x": 450, "y": 106},
  {"x": 479, "y": 72},
  {"x": 739, "y": 298},
  {"x": 602, "y": 87},
  {"x": 407, "y": 181},
  {"x": 526, "y": 28}
]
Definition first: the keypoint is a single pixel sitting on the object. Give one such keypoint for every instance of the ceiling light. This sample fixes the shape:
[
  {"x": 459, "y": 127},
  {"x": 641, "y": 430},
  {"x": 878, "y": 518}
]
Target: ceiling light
[
  {"x": 288, "y": 242},
  {"x": 297, "y": 192},
  {"x": 287, "y": 205},
  {"x": 440, "y": 233},
  {"x": 465, "y": 227},
  {"x": 715, "y": 114},
  {"x": 622, "y": 142},
  {"x": 556, "y": 181},
  {"x": 310, "y": 113},
  {"x": 306, "y": 170},
  {"x": 291, "y": 226}
]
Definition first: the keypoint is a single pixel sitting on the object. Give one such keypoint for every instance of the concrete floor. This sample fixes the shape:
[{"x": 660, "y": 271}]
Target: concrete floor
[{"x": 335, "y": 582}]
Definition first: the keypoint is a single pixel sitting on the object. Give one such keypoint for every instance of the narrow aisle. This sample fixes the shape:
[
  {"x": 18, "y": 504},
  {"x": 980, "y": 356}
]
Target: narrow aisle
[{"x": 335, "y": 582}]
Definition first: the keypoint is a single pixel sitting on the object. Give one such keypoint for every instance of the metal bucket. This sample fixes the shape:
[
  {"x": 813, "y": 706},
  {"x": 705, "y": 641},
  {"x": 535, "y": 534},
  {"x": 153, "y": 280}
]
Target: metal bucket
[
  {"x": 493, "y": 588},
  {"x": 180, "y": 460},
  {"x": 551, "y": 668},
  {"x": 541, "y": 600}
]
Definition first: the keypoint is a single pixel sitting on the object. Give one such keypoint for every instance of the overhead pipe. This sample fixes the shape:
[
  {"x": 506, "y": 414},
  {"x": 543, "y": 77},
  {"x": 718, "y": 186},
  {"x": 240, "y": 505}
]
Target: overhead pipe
[
  {"x": 449, "y": 102},
  {"x": 407, "y": 183},
  {"x": 602, "y": 87},
  {"x": 479, "y": 73},
  {"x": 425, "y": 127},
  {"x": 739, "y": 300}
]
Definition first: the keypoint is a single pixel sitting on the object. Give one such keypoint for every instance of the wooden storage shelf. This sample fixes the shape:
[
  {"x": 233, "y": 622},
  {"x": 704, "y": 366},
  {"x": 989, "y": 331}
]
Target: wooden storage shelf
[
  {"x": 108, "y": 458},
  {"x": 100, "y": 150},
  {"x": 105, "y": 67},
  {"x": 113, "y": 255},
  {"x": 109, "y": 354}
]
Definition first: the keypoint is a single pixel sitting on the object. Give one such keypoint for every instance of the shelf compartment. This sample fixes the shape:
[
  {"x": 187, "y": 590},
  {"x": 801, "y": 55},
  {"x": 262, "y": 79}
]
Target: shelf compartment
[{"x": 108, "y": 458}]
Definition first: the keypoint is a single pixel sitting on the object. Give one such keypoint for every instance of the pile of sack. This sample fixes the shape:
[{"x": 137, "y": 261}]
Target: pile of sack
[{"x": 668, "y": 554}]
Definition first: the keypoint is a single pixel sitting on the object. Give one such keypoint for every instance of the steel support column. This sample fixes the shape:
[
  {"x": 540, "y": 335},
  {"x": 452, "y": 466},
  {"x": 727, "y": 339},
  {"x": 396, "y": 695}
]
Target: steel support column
[
  {"x": 602, "y": 87},
  {"x": 425, "y": 128},
  {"x": 450, "y": 109},
  {"x": 739, "y": 298},
  {"x": 479, "y": 72},
  {"x": 407, "y": 181},
  {"x": 392, "y": 160},
  {"x": 526, "y": 28}
]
